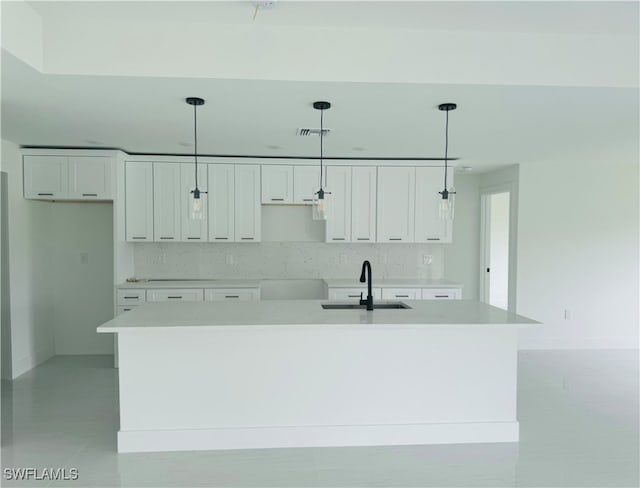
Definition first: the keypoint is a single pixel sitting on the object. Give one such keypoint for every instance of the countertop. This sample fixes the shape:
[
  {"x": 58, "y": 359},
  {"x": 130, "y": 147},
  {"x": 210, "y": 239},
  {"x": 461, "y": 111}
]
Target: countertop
[
  {"x": 286, "y": 313},
  {"x": 392, "y": 283},
  {"x": 224, "y": 283}
]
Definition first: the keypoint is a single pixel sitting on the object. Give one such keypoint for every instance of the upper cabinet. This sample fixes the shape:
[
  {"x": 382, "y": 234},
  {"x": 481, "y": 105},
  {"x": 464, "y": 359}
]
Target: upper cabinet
[
  {"x": 67, "y": 177},
  {"x": 277, "y": 184},
  {"x": 363, "y": 204},
  {"x": 221, "y": 202},
  {"x": 193, "y": 229},
  {"x": 396, "y": 204},
  {"x": 306, "y": 181},
  {"x": 166, "y": 202},
  {"x": 429, "y": 227},
  {"x": 338, "y": 204},
  {"x": 247, "y": 203},
  {"x": 139, "y": 201}
]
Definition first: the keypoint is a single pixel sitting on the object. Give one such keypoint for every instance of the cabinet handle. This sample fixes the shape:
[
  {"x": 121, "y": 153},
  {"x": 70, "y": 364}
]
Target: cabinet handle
[
  {"x": 221, "y": 238},
  {"x": 174, "y": 297},
  {"x": 395, "y": 238},
  {"x": 337, "y": 238},
  {"x": 277, "y": 199},
  {"x": 126, "y": 309},
  {"x": 441, "y": 296},
  {"x": 362, "y": 238},
  {"x": 307, "y": 199},
  {"x": 138, "y": 237},
  {"x": 402, "y": 296},
  {"x": 131, "y": 298},
  {"x": 89, "y": 194},
  {"x": 193, "y": 238},
  {"x": 45, "y": 194},
  {"x": 232, "y": 296},
  {"x": 354, "y": 296},
  {"x": 433, "y": 238},
  {"x": 168, "y": 238},
  {"x": 246, "y": 238}
]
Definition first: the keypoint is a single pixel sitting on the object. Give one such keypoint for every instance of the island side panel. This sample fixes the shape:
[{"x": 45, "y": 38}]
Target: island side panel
[{"x": 256, "y": 386}]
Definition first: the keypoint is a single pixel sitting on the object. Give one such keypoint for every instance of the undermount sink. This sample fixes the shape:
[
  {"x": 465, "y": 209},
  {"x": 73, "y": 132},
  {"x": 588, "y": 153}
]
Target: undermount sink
[{"x": 357, "y": 306}]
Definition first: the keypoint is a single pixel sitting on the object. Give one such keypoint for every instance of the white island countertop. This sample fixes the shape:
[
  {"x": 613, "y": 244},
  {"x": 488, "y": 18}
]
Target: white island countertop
[
  {"x": 204, "y": 283},
  {"x": 393, "y": 283},
  {"x": 287, "y": 313}
]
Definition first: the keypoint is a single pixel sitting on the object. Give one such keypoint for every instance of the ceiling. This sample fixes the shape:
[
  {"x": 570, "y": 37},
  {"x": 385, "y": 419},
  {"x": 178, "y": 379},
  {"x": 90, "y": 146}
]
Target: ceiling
[{"x": 495, "y": 125}]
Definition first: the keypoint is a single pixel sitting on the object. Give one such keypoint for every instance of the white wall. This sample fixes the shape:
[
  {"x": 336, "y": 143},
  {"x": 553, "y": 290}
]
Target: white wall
[
  {"x": 578, "y": 249},
  {"x": 81, "y": 245},
  {"x": 29, "y": 228}
]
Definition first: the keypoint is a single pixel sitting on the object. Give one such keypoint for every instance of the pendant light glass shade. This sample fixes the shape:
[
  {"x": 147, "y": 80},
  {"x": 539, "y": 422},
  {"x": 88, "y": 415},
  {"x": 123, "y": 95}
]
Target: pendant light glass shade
[
  {"x": 446, "y": 202},
  {"x": 319, "y": 209},
  {"x": 197, "y": 210}
]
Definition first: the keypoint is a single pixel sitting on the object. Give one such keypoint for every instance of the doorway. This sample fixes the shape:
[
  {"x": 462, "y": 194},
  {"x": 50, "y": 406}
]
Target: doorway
[{"x": 496, "y": 248}]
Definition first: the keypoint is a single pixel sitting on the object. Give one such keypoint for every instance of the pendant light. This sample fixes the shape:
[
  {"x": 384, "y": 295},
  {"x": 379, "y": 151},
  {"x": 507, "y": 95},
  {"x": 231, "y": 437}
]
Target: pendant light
[
  {"x": 319, "y": 210},
  {"x": 196, "y": 204},
  {"x": 445, "y": 206}
]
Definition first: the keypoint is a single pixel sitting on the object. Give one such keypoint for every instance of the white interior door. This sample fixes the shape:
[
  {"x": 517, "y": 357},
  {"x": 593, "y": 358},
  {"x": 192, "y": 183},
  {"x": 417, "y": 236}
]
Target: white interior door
[{"x": 496, "y": 214}]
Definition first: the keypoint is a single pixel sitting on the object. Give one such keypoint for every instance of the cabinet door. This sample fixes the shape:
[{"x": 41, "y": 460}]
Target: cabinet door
[
  {"x": 406, "y": 293},
  {"x": 396, "y": 202},
  {"x": 90, "y": 178},
  {"x": 231, "y": 294},
  {"x": 45, "y": 177},
  {"x": 139, "y": 201},
  {"x": 166, "y": 201},
  {"x": 277, "y": 183},
  {"x": 429, "y": 227},
  {"x": 441, "y": 293},
  {"x": 306, "y": 181},
  {"x": 193, "y": 229},
  {"x": 247, "y": 203},
  {"x": 221, "y": 202},
  {"x": 338, "y": 204},
  {"x": 363, "y": 204}
]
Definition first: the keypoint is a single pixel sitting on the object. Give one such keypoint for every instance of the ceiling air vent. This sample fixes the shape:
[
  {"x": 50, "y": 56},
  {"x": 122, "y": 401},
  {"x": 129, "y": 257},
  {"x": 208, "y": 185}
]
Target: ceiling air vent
[{"x": 312, "y": 132}]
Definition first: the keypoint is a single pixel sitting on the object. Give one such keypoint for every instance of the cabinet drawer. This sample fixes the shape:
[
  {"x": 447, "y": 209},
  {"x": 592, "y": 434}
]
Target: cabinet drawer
[
  {"x": 122, "y": 310},
  {"x": 175, "y": 295},
  {"x": 128, "y": 297},
  {"x": 352, "y": 293},
  {"x": 406, "y": 293},
  {"x": 231, "y": 294},
  {"x": 441, "y": 293}
]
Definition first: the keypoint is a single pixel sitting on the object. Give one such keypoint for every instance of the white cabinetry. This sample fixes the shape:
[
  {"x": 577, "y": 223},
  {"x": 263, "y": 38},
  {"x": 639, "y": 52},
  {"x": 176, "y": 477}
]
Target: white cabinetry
[
  {"x": 67, "y": 177},
  {"x": 247, "y": 203},
  {"x": 231, "y": 294},
  {"x": 277, "y": 184},
  {"x": 89, "y": 178},
  {"x": 442, "y": 293},
  {"x": 221, "y": 202},
  {"x": 306, "y": 181},
  {"x": 352, "y": 293},
  {"x": 363, "y": 204},
  {"x": 193, "y": 229},
  {"x": 166, "y": 202},
  {"x": 175, "y": 295},
  {"x": 338, "y": 204},
  {"x": 429, "y": 227},
  {"x": 396, "y": 201},
  {"x": 139, "y": 201},
  {"x": 406, "y": 293}
]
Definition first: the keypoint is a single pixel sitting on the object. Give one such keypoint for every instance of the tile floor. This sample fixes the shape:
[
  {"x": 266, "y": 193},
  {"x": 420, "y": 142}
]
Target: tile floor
[{"x": 578, "y": 412}]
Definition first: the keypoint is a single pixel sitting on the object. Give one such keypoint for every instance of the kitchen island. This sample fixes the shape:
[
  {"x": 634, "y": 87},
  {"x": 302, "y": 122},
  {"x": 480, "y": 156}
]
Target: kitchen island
[{"x": 288, "y": 373}]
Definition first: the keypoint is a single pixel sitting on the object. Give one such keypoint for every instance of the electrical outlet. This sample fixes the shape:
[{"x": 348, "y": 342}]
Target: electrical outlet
[
  {"x": 427, "y": 259},
  {"x": 383, "y": 259},
  {"x": 229, "y": 259},
  {"x": 567, "y": 314},
  {"x": 343, "y": 259},
  {"x": 84, "y": 258}
]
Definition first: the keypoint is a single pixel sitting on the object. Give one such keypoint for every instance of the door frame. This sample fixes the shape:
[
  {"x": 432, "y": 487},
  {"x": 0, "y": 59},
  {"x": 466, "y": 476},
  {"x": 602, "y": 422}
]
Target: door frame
[{"x": 485, "y": 193}]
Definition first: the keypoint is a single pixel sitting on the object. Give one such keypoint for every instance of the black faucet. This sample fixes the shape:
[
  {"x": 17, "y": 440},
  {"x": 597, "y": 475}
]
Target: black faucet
[{"x": 369, "y": 300}]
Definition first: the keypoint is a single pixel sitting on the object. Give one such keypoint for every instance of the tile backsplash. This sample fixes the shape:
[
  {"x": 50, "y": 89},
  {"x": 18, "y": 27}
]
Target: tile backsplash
[{"x": 285, "y": 260}]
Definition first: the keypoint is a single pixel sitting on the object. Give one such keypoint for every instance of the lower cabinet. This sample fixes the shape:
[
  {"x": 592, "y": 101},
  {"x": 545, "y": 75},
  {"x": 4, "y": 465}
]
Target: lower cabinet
[
  {"x": 351, "y": 293},
  {"x": 387, "y": 293},
  {"x": 406, "y": 293},
  {"x": 442, "y": 293},
  {"x": 175, "y": 295},
  {"x": 231, "y": 294}
]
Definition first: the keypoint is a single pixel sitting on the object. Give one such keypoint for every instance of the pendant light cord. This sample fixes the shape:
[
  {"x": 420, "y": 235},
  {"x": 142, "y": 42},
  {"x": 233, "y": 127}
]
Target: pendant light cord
[
  {"x": 446, "y": 149},
  {"x": 321, "y": 137},
  {"x": 195, "y": 138}
]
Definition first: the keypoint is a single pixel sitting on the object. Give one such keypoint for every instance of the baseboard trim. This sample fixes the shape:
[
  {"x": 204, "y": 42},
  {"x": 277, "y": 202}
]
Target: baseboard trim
[
  {"x": 27, "y": 363},
  {"x": 316, "y": 436}
]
